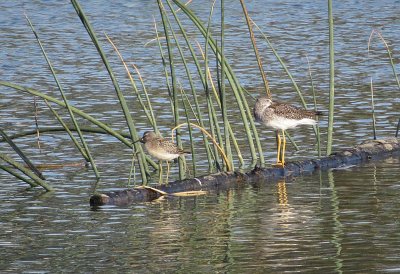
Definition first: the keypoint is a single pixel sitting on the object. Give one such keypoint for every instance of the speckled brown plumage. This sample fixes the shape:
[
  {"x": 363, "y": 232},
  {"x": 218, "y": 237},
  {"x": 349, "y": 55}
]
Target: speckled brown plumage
[
  {"x": 159, "y": 148},
  {"x": 282, "y": 116},
  {"x": 291, "y": 112}
]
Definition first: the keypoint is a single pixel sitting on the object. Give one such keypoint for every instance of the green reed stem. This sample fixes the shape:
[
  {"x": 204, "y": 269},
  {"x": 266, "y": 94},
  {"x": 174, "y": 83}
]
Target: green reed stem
[
  {"x": 132, "y": 169},
  {"x": 204, "y": 79},
  {"x": 174, "y": 84},
  {"x": 188, "y": 74},
  {"x": 121, "y": 98},
  {"x": 153, "y": 118},
  {"x": 148, "y": 112},
  {"x": 391, "y": 63},
  {"x": 318, "y": 135},
  {"x": 214, "y": 128},
  {"x": 214, "y": 119},
  {"x": 224, "y": 106},
  {"x": 285, "y": 68},
  {"x": 373, "y": 110},
  {"x": 331, "y": 80},
  {"x": 296, "y": 147},
  {"x": 87, "y": 155},
  {"x": 245, "y": 112},
  {"x": 75, "y": 110},
  {"x": 210, "y": 106},
  {"x": 74, "y": 140},
  {"x": 260, "y": 66},
  {"x": 36, "y": 121},
  {"x": 183, "y": 97},
  {"x": 94, "y": 121},
  {"x": 389, "y": 52},
  {"x": 21, "y": 154},
  {"x": 26, "y": 171},
  {"x": 165, "y": 67},
  {"x": 11, "y": 171},
  {"x": 256, "y": 53},
  {"x": 42, "y": 130}
]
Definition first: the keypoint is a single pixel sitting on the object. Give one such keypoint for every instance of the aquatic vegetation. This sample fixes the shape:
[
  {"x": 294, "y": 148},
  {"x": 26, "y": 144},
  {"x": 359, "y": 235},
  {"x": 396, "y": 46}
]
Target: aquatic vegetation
[
  {"x": 211, "y": 92},
  {"x": 374, "y": 32}
]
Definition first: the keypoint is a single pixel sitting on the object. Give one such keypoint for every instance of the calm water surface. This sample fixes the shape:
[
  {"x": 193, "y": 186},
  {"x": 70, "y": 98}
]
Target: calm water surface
[{"x": 339, "y": 221}]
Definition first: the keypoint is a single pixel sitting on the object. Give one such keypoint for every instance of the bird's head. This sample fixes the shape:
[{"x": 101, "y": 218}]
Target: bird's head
[
  {"x": 148, "y": 136},
  {"x": 263, "y": 101}
]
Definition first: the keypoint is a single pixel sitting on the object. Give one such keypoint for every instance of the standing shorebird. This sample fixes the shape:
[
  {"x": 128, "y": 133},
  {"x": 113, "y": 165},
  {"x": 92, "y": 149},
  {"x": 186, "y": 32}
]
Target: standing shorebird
[
  {"x": 282, "y": 116},
  {"x": 161, "y": 149}
]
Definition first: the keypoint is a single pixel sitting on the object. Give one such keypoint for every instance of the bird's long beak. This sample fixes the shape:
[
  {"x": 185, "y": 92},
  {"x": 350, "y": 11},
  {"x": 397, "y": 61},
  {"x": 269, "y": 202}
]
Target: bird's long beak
[{"x": 140, "y": 140}]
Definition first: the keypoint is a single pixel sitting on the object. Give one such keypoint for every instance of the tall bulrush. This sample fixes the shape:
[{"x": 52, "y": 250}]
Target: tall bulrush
[
  {"x": 21, "y": 154},
  {"x": 129, "y": 120},
  {"x": 182, "y": 103},
  {"x": 32, "y": 179},
  {"x": 85, "y": 150},
  {"x": 104, "y": 128},
  {"x": 68, "y": 130},
  {"x": 198, "y": 113},
  {"x": 222, "y": 90},
  {"x": 331, "y": 80},
  {"x": 389, "y": 53},
  {"x": 148, "y": 110},
  {"x": 33, "y": 176},
  {"x": 214, "y": 125},
  {"x": 373, "y": 110},
  {"x": 285, "y": 68},
  {"x": 210, "y": 86},
  {"x": 184, "y": 98},
  {"x": 260, "y": 67},
  {"x": 174, "y": 84},
  {"x": 204, "y": 80},
  {"x": 244, "y": 110},
  {"x": 254, "y": 44},
  {"x": 315, "y": 109},
  {"x": 251, "y": 23}
]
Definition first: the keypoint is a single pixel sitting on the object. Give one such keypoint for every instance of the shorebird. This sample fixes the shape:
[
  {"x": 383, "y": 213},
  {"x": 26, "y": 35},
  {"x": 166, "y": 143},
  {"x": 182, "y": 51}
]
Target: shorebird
[
  {"x": 161, "y": 149},
  {"x": 281, "y": 116}
]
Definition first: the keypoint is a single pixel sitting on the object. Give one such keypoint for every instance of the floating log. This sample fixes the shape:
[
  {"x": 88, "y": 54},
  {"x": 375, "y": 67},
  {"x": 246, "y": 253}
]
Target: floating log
[{"x": 367, "y": 151}]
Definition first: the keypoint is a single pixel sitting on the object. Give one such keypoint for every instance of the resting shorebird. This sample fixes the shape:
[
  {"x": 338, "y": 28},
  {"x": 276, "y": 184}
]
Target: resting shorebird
[
  {"x": 282, "y": 116},
  {"x": 161, "y": 149}
]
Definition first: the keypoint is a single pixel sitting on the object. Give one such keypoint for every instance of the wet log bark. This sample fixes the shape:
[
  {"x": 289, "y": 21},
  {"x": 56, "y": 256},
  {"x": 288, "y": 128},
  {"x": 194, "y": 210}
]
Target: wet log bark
[{"x": 367, "y": 151}]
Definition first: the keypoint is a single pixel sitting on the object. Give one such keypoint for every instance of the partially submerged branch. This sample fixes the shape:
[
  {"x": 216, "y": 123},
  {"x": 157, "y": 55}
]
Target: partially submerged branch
[{"x": 366, "y": 151}]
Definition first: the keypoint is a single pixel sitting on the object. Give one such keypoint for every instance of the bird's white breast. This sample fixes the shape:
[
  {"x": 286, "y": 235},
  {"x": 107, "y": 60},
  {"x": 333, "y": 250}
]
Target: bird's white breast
[
  {"x": 285, "y": 123},
  {"x": 160, "y": 154}
]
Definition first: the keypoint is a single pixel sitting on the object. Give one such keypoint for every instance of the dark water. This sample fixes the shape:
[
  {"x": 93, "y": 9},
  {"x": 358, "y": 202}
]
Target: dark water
[{"x": 339, "y": 221}]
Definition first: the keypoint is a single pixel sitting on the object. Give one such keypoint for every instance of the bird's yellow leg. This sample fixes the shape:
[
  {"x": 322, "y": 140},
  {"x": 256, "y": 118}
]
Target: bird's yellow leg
[
  {"x": 160, "y": 172},
  {"x": 166, "y": 179},
  {"x": 278, "y": 160},
  {"x": 284, "y": 147}
]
